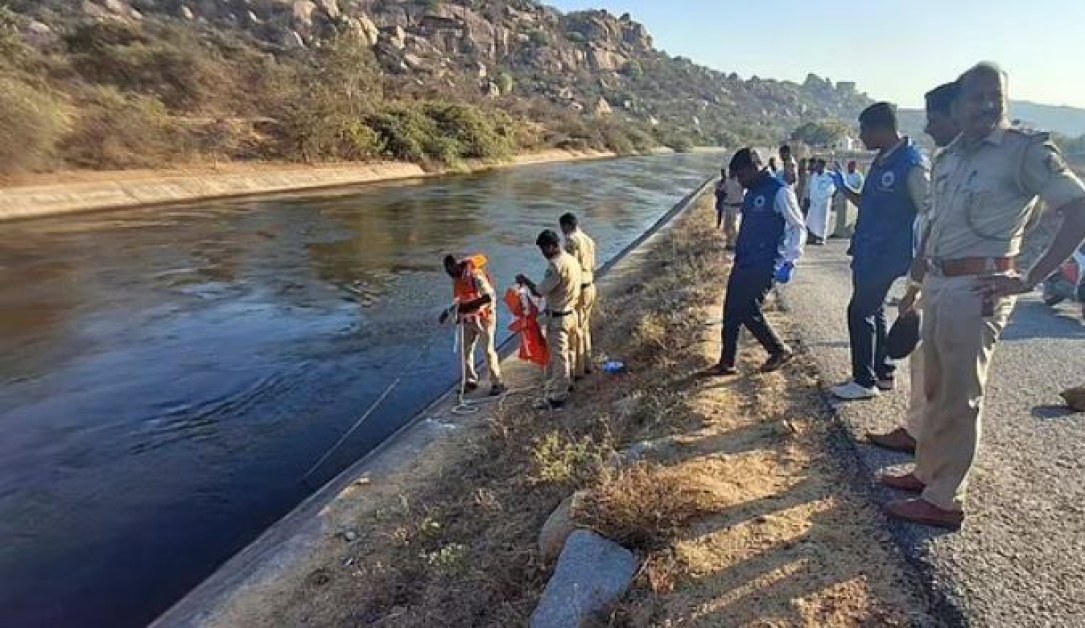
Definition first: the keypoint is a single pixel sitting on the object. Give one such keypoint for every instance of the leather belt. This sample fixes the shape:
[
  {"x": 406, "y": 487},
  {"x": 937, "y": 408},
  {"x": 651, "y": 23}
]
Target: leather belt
[
  {"x": 972, "y": 266},
  {"x": 558, "y": 314}
]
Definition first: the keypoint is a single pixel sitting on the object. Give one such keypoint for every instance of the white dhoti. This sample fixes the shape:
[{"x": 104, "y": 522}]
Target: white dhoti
[{"x": 817, "y": 220}]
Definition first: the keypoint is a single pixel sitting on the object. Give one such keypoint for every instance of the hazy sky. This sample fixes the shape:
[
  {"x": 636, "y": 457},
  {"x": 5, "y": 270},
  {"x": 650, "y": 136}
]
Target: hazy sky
[{"x": 895, "y": 49}]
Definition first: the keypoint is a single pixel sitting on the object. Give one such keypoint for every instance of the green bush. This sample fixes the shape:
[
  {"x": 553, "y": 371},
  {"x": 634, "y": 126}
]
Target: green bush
[
  {"x": 476, "y": 136},
  {"x": 117, "y": 130},
  {"x": 406, "y": 132},
  {"x": 31, "y": 124}
]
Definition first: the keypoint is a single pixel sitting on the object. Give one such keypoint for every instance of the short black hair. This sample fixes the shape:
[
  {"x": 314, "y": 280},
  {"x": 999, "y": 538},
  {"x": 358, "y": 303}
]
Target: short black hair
[
  {"x": 989, "y": 68},
  {"x": 880, "y": 115},
  {"x": 548, "y": 238},
  {"x": 940, "y": 99},
  {"x": 568, "y": 219},
  {"x": 784, "y": 148},
  {"x": 449, "y": 260},
  {"x": 744, "y": 158}
]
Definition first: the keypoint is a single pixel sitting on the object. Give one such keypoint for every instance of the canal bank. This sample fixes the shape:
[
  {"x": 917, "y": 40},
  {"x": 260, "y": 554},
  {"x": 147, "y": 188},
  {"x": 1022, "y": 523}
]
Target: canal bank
[
  {"x": 733, "y": 493},
  {"x": 433, "y": 440},
  {"x": 90, "y": 191},
  {"x": 170, "y": 374}
]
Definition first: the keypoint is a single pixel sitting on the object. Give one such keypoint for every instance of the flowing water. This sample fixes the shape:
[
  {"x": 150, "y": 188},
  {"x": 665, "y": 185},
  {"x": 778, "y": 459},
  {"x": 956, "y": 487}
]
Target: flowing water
[{"x": 168, "y": 375}]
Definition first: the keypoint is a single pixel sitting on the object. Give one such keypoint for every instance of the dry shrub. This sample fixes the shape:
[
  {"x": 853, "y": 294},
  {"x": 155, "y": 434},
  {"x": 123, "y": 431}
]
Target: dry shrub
[
  {"x": 568, "y": 462},
  {"x": 643, "y": 506},
  {"x": 32, "y": 122},
  {"x": 117, "y": 130}
]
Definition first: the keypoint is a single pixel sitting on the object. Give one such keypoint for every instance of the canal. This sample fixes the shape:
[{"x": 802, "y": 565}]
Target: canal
[{"x": 168, "y": 375}]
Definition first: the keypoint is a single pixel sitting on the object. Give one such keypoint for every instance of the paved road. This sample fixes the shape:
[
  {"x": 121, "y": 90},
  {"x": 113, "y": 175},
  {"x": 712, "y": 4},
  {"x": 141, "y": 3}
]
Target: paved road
[{"x": 1020, "y": 560}]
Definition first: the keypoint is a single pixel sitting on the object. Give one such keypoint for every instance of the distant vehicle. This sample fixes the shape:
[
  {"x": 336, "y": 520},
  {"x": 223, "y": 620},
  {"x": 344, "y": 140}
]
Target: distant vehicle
[{"x": 1065, "y": 284}]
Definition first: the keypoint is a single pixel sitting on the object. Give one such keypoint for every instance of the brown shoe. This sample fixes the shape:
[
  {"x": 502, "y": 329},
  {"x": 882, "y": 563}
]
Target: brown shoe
[
  {"x": 907, "y": 482},
  {"x": 897, "y": 440},
  {"x": 925, "y": 513}
]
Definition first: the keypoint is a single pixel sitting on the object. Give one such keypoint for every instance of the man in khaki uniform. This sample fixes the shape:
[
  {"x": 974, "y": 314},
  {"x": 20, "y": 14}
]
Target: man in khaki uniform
[
  {"x": 943, "y": 130},
  {"x": 582, "y": 247},
  {"x": 561, "y": 289},
  {"x": 985, "y": 187}
]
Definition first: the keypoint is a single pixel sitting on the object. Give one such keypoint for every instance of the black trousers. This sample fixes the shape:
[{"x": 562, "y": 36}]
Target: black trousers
[
  {"x": 867, "y": 325},
  {"x": 746, "y": 291}
]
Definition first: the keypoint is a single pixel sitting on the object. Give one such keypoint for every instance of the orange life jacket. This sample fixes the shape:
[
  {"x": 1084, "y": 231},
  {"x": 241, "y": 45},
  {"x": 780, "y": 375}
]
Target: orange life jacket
[
  {"x": 533, "y": 347},
  {"x": 464, "y": 288}
]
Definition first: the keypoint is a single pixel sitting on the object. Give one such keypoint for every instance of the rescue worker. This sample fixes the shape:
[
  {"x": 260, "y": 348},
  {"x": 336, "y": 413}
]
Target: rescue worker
[
  {"x": 474, "y": 310},
  {"x": 882, "y": 247},
  {"x": 986, "y": 185},
  {"x": 729, "y": 195},
  {"x": 821, "y": 193},
  {"x": 581, "y": 247},
  {"x": 770, "y": 241},
  {"x": 561, "y": 289},
  {"x": 942, "y": 129}
]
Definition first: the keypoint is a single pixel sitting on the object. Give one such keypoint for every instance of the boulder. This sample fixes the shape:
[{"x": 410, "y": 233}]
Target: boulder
[
  {"x": 186, "y": 13},
  {"x": 303, "y": 13},
  {"x": 366, "y": 28},
  {"x": 117, "y": 7},
  {"x": 395, "y": 36},
  {"x": 605, "y": 59},
  {"x": 592, "y": 573},
  {"x": 330, "y": 8},
  {"x": 602, "y": 107},
  {"x": 559, "y": 525}
]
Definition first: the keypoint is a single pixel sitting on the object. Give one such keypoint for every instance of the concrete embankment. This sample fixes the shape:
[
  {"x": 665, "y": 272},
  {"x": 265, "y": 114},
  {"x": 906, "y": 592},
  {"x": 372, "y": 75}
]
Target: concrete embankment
[
  {"x": 77, "y": 192},
  {"x": 299, "y": 543}
]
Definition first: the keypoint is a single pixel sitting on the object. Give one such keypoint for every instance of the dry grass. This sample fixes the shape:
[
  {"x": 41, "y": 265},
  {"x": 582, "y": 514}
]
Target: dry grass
[{"x": 739, "y": 511}]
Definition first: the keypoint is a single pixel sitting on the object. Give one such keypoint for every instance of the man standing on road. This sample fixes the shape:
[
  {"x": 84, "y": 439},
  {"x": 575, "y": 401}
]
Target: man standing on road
[
  {"x": 882, "y": 247},
  {"x": 581, "y": 247},
  {"x": 729, "y": 195},
  {"x": 822, "y": 190},
  {"x": 561, "y": 289},
  {"x": 841, "y": 205},
  {"x": 942, "y": 129},
  {"x": 474, "y": 310},
  {"x": 770, "y": 241},
  {"x": 788, "y": 172},
  {"x": 986, "y": 184}
]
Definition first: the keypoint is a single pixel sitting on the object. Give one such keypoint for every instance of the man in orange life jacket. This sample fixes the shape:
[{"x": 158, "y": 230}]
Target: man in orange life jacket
[{"x": 474, "y": 310}]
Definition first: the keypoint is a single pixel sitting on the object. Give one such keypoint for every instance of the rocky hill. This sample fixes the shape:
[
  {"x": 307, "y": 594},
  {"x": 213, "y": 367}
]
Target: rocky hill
[{"x": 582, "y": 78}]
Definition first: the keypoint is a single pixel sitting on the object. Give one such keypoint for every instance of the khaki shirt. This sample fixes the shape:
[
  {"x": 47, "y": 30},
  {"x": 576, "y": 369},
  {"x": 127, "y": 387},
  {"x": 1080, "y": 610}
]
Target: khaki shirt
[
  {"x": 983, "y": 195},
  {"x": 561, "y": 284},
  {"x": 580, "y": 246}
]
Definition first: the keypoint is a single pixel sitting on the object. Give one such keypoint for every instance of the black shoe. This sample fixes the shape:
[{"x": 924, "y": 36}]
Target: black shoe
[
  {"x": 725, "y": 369},
  {"x": 470, "y": 386},
  {"x": 548, "y": 404},
  {"x": 777, "y": 360},
  {"x": 497, "y": 390},
  {"x": 588, "y": 370}
]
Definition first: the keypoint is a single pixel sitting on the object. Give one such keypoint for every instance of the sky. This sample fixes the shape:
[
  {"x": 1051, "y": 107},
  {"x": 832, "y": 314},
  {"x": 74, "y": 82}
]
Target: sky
[{"x": 895, "y": 50}]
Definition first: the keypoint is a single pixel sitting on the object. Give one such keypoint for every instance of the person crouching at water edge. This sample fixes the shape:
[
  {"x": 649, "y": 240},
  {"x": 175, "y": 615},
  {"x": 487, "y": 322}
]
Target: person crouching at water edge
[
  {"x": 561, "y": 289},
  {"x": 770, "y": 241},
  {"x": 474, "y": 310}
]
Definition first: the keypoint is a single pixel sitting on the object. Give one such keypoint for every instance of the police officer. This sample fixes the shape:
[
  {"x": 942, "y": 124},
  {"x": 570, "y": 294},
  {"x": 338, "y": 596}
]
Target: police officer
[
  {"x": 882, "y": 247},
  {"x": 986, "y": 184},
  {"x": 581, "y": 247},
  {"x": 770, "y": 241},
  {"x": 942, "y": 129},
  {"x": 729, "y": 195},
  {"x": 561, "y": 289}
]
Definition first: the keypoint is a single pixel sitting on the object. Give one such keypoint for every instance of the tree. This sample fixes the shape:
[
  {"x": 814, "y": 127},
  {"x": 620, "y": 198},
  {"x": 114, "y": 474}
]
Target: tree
[{"x": 820, "y": 134}]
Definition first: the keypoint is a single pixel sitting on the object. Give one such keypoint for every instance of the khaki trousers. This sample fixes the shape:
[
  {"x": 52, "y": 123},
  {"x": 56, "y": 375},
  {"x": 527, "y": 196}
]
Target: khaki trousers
[
  {"x": 958, "y": 343},
  {"x": 473, "y": 331},
  {"x": 843, "y": 209},
  {"x": 581, "y": 341},
  {"x": 917, "y": 400},
  {"x": 559, "y": 333},
  {"x": 730, "y": 224}
]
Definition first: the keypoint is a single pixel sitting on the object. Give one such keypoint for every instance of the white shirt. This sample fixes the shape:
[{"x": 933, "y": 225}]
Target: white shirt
[
  {"x": 787, "y": 205},
  {"x": 854, "y": 180},
  {"x": 822, "y": 188}
]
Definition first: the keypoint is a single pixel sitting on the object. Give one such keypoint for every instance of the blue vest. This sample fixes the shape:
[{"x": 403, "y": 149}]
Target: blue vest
[
  {"x": 762, "y": 228},
  {"x": 883, "y": 237}
]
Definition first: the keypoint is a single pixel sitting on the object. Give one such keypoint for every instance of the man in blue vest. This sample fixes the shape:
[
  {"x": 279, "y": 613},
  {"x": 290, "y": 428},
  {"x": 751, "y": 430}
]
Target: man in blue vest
[
  {"x": 895, "y": 192},
  {"x": 770, "y": 241}
]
